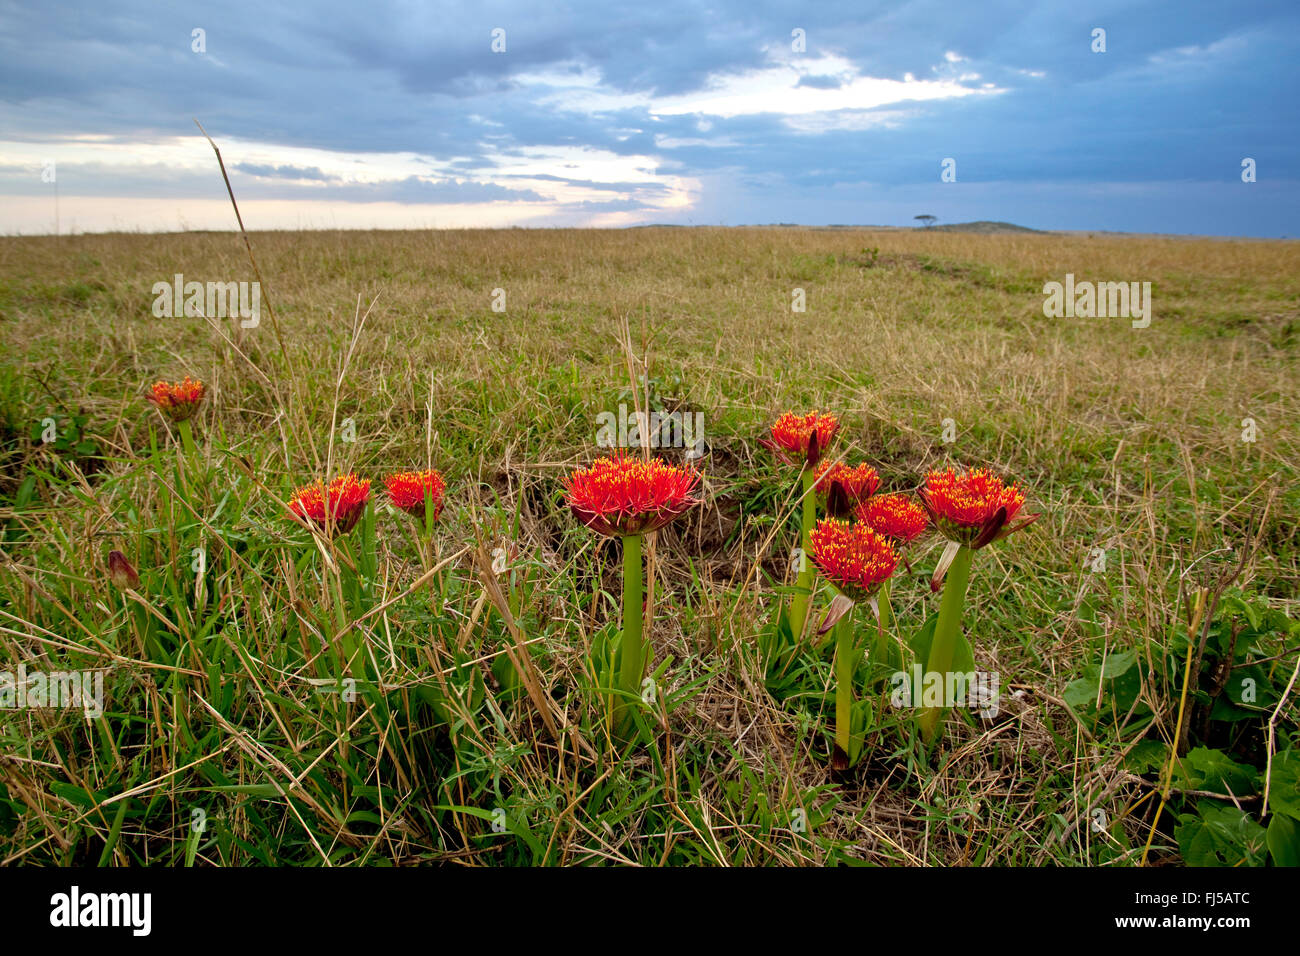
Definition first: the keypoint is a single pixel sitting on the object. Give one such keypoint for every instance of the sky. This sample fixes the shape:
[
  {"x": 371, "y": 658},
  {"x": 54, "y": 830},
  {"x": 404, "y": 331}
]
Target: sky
[{"x": 383, "y": 115}]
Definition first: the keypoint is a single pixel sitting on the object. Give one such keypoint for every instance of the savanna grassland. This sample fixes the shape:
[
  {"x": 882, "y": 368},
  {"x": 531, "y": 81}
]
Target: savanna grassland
[{"x": 1125, "y": 732}]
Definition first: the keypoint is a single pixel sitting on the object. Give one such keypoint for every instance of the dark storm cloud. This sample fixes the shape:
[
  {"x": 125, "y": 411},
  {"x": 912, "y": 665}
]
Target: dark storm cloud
[{"x": 1183, "y": 92}]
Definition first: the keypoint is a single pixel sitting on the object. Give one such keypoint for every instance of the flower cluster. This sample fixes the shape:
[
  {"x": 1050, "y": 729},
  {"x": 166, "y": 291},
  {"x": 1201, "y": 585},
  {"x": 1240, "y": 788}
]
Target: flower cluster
[
  {"x": 857, "y": 547},
  {"x": 857, "y": 483},
  {"x": 801, "y": 439},
  {"x": 335, "y": 508},
  {"x": 854, "y": 558},
  {"x": 624, "y": 495},
  {"x": 407, "y": 491},
  {"x": 972, "y": 506},
  {"x": 177, "y": 400},
  {"x": 896, "y": 516}
]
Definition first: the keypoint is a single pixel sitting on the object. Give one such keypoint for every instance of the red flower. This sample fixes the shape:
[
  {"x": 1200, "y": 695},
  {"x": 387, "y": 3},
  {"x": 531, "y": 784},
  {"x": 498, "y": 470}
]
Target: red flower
[
  {"x": 854, "y": 558},
  {"x": 858, "y": 482},
  {"x": 177, "y": 400},
  {"x": 801, "y": 439},
  {"x": 972, "y": 507},
  {"x": 622, "y": 495},
  {"x": 406, "y": 491},
  {"x": 897, "y": 517},
  {"x": 334, "y": 509}
]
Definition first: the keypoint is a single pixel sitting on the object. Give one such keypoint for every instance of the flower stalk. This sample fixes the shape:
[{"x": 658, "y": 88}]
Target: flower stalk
[
  {"x": 799, "y": 441},
  {"x": 844, "y": 666},
  {"x": 179, "y": 402},
  {"x": 632, "y": 646},
  {"x": 627, "y": 498},
  {"x": 187, "y": 438},
  {"x": 943, "y": 647},
  {"x": 880, "y": 645},
  {"x": 804, "y": 580},
  {"x": 856, "y": 561}
]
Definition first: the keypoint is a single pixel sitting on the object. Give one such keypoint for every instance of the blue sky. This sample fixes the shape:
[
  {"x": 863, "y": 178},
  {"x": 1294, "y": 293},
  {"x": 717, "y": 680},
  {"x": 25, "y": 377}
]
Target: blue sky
[{"x": 401, "y": 114}]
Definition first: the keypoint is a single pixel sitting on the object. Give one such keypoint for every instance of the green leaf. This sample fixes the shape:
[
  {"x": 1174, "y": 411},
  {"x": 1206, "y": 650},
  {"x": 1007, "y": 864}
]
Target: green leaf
[
  {"x": 1081, "y": 694},
  {"x": 1206, "y": 769},
  {"x": 72, "y": 793},
  {"x": 1120, "y": 683},
  {"x": 1284, "y": 784},
  {"x": 24, "y": 496},
  {"x": 963, "y": 658},
  {"x": 1242, "y": 606},
  {"x": 512, "y": 823},
  {"x": 1147, "y": 756},
  {"x": 1284, "y": 840},
  {"x": 1219, "y": 836},
  {"x": 265, "y": 791},
  {"x": 1118, "y": 664}
]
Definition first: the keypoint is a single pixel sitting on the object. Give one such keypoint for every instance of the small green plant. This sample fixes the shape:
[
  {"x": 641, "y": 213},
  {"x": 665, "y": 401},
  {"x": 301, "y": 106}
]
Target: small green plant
[
  {"x": 68, "y": 435},
  {"x": 1230, "y": 785}
]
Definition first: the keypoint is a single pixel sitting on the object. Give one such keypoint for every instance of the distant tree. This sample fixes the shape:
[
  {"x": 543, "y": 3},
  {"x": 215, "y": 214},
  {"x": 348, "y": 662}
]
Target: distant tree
[{"x": 928, "y": 221}]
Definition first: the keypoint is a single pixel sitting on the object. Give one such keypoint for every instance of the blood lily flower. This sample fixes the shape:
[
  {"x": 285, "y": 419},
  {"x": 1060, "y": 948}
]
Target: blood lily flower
[
  {"x": 973, "y": 507},
  {"x": 177, "y": 400},
  {"x": 898, "y": 517},
  {"x": 902, "y": 520},
  {"x": 853, "y": 557},
  {"x": 857, "y": 561},
  {"x": 801, "y": 439},
  {"x": 334, "y": 509},
  {"x": 408, "y": 491},
  {"x": 845, "y": 486},
  {"x": 630, "y": 496},
  {"x": 627, "y": 497}
]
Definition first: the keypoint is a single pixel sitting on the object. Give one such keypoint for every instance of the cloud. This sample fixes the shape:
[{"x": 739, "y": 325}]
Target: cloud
[
  {"x": 820, "y": 82},
  {"x": 671, "y": 110},
  {"x": 283, "y": 172},
  {"x": 779, "y": 88}
]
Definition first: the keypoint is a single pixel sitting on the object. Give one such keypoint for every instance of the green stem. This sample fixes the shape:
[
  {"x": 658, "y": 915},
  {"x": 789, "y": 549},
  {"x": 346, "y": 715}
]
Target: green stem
[
  {"x": 799, "y": 603},
  {"x": 944, "y": 646},
  {"x": 344, "y": 607},
  {"x": 881, "y": 649},
  {"x": 844, "y": 661},
  {"x": 187, "y": 439},
  {"x": 341, "y": 622},
  {"x": 886, "y": 612},
  {"x": 632, "y": 646}
]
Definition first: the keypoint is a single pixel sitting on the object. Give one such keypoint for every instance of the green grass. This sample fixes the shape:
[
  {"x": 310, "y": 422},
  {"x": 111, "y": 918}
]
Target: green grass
[{"x": 221, "y": 685}]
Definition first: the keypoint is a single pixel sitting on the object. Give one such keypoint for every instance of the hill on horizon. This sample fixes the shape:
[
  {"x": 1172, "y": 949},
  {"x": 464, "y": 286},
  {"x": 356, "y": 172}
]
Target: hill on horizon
[{"x": 982, "y": 226}]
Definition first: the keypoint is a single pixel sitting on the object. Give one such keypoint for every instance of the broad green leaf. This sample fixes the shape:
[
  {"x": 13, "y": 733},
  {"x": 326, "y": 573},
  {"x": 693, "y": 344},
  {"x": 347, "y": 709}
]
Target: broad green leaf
[
  {"x": 1284, "y": 784},
  {"x": 1219, "y": 836},
  {"x": 1284, "y": 840},
  {"x": 963, "y": 658},
  {"x": 1081, "y": 694},
  {"x": 1147, "y": 756},
  {"x": 1206, "y": 769}
]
